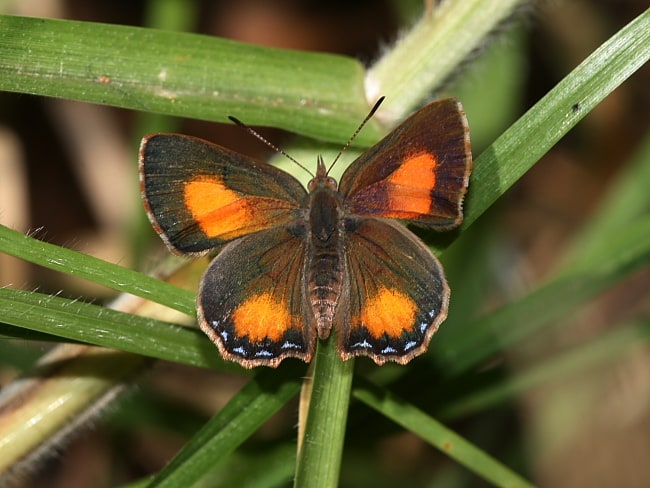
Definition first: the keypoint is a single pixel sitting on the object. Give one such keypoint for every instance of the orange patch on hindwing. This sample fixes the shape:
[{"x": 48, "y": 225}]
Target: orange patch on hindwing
[
  {"x": 415, "y": 179},
  {"x": 261, "y": 317},
  {"x": 389, "y": 312}
]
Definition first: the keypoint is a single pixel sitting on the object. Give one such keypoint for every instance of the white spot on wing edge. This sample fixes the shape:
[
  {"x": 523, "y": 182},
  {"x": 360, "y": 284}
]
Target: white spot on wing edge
[
  {"x": 410, "y": 345},
  {"x": 364, "y": 345}
]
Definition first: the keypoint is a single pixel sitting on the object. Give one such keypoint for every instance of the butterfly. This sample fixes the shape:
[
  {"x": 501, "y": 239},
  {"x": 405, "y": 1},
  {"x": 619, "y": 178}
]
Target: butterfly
[{"x": 296, "y": 263}]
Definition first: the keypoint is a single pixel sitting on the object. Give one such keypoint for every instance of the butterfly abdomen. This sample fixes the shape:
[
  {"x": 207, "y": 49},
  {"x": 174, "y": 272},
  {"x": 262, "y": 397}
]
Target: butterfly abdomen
[{"x": 325, "y": 268}]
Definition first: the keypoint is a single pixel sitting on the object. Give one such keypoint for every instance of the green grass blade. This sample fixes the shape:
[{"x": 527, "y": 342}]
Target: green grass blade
[
  {"x": 270, "y": 467},
  {"x": 98, "y": 325},
  {"x": 625, "y": 204},
  {"x": 189, "y": 75},
  {"x": 439, "y": 436},
  {"x": 627, "y": 201},
  {"x": 96, "y": 270},
  {"x": 625, "y": 252},
  {"x": 239, "y": 419},
  {"x": 19, "y": 332},
  {"x": 528, "y": 139},
  {"x": 607, "y": 348},
  {"x": 321, "y": 449}
]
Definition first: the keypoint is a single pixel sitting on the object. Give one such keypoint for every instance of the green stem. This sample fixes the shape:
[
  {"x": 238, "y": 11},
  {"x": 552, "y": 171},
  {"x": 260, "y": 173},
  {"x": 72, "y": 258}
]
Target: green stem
[{"x": 319, "y": 457}]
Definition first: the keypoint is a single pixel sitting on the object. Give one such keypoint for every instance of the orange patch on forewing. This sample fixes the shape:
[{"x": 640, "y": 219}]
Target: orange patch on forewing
[
  {"x": 218, "y": 210},
  {"x": 226, "y": 214},
  {"x": 414, "y": 180},
  {"x": 389, "y": 312},
  {"x": 261, "y": 317}
]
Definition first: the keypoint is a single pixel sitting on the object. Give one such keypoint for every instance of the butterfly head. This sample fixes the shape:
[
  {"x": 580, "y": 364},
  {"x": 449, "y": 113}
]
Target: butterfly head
[{"x": 322, "y": 180}]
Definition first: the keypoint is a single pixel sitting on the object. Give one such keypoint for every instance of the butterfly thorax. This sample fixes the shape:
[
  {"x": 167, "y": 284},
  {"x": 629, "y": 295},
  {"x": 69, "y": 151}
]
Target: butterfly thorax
[{"x": 325, "y": 266}]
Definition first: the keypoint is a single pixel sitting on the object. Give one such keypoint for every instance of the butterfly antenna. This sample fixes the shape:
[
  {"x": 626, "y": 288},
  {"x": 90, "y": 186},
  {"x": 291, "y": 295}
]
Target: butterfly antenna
[
  {"x": 356, "y": 132},
  {"x": 253, "y": 132}
]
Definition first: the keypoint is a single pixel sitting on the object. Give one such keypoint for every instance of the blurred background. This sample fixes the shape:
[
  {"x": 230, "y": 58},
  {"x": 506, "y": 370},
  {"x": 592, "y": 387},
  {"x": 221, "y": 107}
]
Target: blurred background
[{"x": 69, "y": 169}]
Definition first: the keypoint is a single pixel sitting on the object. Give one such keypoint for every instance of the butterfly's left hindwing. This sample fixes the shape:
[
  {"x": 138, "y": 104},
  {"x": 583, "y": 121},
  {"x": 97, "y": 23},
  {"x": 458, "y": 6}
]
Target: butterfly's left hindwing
[
  {"x": 251, "y": 300},
  {"x": 397, "y": 294}
]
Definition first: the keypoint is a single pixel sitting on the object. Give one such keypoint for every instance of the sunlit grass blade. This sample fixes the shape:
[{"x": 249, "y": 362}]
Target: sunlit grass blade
[
  {"x": 528, "y": 139},
  {"x": 189, "y": 75},
  {"x": 93, "y": 269},
  {"x": 98, "y": 325}
]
